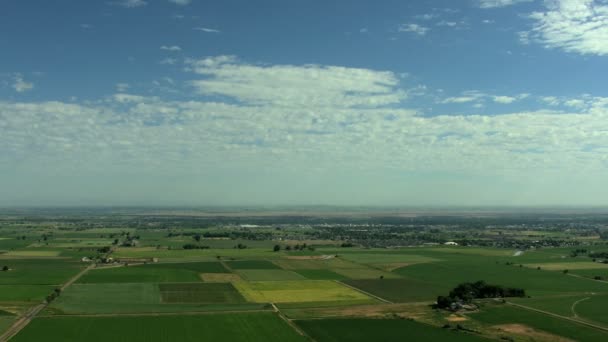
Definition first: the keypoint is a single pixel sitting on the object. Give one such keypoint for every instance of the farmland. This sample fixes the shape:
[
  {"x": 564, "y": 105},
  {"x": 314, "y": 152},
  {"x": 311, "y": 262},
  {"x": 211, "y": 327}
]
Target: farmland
[{"x": 278, "y": 279}]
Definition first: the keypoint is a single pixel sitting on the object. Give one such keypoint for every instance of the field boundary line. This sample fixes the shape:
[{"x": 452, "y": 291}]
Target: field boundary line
[
  {"x": 24, "y": 320},
  {"x": 290, "y": 322},
  {"x": 175, "y": 313},
  {"x": 365, "y": 292},
  {"x": 575, "y": 315},
  {"x": 576, "y": 320}
]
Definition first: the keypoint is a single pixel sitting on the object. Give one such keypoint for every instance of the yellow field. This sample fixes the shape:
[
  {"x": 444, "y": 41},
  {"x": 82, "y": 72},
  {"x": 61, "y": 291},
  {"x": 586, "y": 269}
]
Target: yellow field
[
  {"x": 297, "y": 291},
  {"x": 559, "y": 266},
  {"x": 33, "y": 253},
  {"x": 219, "y": 277}
]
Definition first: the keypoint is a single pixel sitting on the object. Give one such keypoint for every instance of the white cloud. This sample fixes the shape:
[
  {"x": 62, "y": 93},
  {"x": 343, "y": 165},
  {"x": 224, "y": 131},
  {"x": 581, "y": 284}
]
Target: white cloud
[
  {"x": 508, "y": 99},
  {"x": 447, "y": 23},
  {"x": 578, "y": 26},
  {"x": 414, "y": 28},
  {"x": 181, "y": 2},
  {"x": 20, "y": 85},
  {"x": 499, "y": 3},
  {"x": 207, "y": 30},
  {"x": 550, "y": 100},
  {"x": 294, "y": 86},
  {"x": 172, "y": 48},
  {"x": 132, "y": 3},
  {"x": 122, "y": 87},
  {"x": 169, "y": 61},
  {"x": 575, "y": 103}
]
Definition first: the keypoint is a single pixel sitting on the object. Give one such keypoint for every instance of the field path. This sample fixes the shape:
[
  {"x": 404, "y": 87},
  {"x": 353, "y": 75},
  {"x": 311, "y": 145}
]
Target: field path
[
  {"x": 365, "y": 292},
  {"x": 27, "y": 317},
  {"x": 574, "y": 314},
  {"x": 575, "y": 320},
  {"x": 291, "y": 323}
]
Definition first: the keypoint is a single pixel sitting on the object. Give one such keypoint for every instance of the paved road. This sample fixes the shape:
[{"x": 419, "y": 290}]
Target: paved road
[{"x": 27, "y": 317}]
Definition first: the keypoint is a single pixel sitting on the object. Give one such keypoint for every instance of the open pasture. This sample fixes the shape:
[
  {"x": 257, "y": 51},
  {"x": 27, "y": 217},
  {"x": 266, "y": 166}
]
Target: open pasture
[
  {"x": 248, "y": 327},
  {"x": 200, "y": 293},
  {"x": 298, "y": 291},
  {"x": 494, "y": 315},
  {"x": 38, "y": 271},
  {"x": 265, "y": 275},
  {"x": 399, "y": 290},
  {"x": 252, "y": 265},
  {"x": 24, "y": 293},
  {"x": 359, "y": 329},
  {"x": 570, "y": 266},
  {"x": 150, "y": 273}
]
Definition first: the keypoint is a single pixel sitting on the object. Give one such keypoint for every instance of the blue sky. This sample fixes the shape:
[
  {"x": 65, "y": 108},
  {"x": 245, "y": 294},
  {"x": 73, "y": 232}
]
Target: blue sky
[{"x": 177, "y": 102}]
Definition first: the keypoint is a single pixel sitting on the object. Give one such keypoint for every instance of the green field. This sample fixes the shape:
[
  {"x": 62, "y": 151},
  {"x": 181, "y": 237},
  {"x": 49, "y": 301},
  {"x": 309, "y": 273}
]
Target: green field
[
  {"x": 251, "y": 265},
  {"x": 140, "y": 274},
  {"x": 216, "y": 327},
  {"x": 399, "y": 290},
  {"x": 200, "y": 293},
  {"x": 327, "y": 330},
  {"x": 24, "y": 293},
  {"x": 320, "y": 274},
  {"x": 38, "y": 271},
  {"x": 264, "y": 275},
  {"x": 506, "y": 314}
]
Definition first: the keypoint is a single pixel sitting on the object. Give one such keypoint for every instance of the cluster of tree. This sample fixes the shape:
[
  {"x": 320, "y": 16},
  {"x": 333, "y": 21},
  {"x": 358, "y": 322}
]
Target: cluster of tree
[
  {"x": 599, "y": 255},
  {"x": 193, "y": 246},
  {"x": 53, "y": 295},
  {"x": 347, "y": 244},
  {"x": 466, "y": 292},
  {"x": 104, "y": 250},
  {"x": 240, "y": 246},
  {"x": 578, "y": 252},
  {"x": 297, "y": 247},
  {"x": 5, "y": 268}
]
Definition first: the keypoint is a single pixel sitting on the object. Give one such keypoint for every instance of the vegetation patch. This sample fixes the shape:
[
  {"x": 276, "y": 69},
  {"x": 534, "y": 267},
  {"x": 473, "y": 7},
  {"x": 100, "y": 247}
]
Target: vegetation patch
[
  {"x": 398, "y": 290},
  {"x": 200, "y": 293},
  {"x": 320, "y": 274},
  {"x": 297, "y": 291},
  {"x": 364, "y": 273},
  {"x": 140, "y": 274},
  {"x": 252, "y": 265},
  {"x": 264, "y": 275},
  {"x": 250, "y": 327},
  {"x": 219, "y": 277},
  {"x": 360, "y": 329}
]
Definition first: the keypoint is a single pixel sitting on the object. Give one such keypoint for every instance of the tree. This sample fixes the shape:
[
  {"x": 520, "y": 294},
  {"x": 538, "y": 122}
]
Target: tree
[
  {"x": 5, "y": 268},
  {"x": 276, "y": 248},
  {"x": 288, "y": 248},
  {"x": 197, "y": 237}
]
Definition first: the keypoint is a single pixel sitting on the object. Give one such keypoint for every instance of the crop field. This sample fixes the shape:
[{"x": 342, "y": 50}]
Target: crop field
[
  {"x": 297, "y": 291},
  {"x": 251, "y": 265},
  {"x": 379, "y": 330},
  {"x": 38, "y": 271},
  {"x": 200, "y": 293},
  {"x": 500, "y": 315},
  {"x": 24, "y": 293},
  {"x": 264, "y": 275},
  {"x": 140, "y": 274},
  {"x": 217, "y": 327},
  {"x": 273, "y": 287},
  {"x": 399, "y": 290}
]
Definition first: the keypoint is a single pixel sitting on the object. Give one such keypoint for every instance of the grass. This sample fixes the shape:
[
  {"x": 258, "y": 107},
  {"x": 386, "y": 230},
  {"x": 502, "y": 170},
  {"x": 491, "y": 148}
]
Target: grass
[
  {"x": 507, "y": 314},
  {"x": 297, "y": 291},
  {"x": 320, "y": 274},
  {"x": 24, "y": 293},
  {"x": 194, "y": 254},
  {"x": 364, "y": 273},
  {"x": 150, "y": 273},
  {"x": 399, "y": 290},
  {"x": 132, "y": 298},
  {"x": 560, "y": 266},
  {"x": 594, "y": 309},
  {"x": 249, "y": 327},
  {"x": 219, "y": 277},
  {"x": 264, "y": 275},
  {"x": 359, "y": 329},
  {"x": 33, "y": 253},
  {"x": 38, "y": 271},
  {"x": 199, "y": 267},
  {"x": 561, "y": 305},
  {"x": 200, "y": 293},
  {"x": 252, "y": 265}
]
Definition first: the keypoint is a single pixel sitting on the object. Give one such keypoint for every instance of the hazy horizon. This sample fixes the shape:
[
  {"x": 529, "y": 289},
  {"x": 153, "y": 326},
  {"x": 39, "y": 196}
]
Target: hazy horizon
[{"x": 491, "y": 103}]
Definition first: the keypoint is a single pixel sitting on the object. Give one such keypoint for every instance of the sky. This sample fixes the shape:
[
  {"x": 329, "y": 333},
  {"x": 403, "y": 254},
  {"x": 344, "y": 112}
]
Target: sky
[{"x": 293, "y": 102}]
